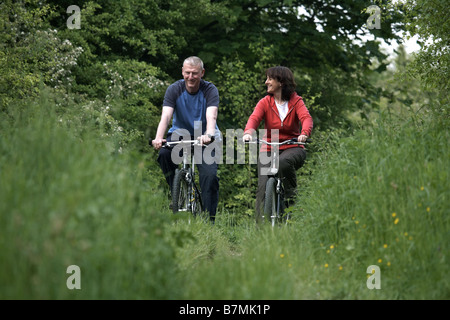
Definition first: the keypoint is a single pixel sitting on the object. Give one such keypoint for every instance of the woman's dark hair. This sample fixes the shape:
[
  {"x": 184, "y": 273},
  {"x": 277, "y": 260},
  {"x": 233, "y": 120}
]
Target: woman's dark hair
[{"x": 285, "y": 76}]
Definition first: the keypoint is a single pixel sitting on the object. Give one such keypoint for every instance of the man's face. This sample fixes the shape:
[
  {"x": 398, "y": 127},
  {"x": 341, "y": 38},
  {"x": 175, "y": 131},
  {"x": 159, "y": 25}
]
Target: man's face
[{"x": 192, "y": 76}]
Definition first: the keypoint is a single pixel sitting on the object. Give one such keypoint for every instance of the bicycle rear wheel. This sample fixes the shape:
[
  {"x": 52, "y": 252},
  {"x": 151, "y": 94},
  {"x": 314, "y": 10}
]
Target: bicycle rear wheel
[
  {"x": 270, "y": 200},
  {"x": 180, "y": 199}
]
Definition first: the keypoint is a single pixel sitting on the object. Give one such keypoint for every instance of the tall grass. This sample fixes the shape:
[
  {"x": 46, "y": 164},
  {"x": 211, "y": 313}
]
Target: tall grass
[
  {"x": 381, "y": 198},
  {"x": 66, "y": 199}
]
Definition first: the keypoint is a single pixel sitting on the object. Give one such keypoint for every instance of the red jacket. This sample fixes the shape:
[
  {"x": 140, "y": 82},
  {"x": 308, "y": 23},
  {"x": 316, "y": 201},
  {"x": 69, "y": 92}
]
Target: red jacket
[{"x": 289, "y": 128}]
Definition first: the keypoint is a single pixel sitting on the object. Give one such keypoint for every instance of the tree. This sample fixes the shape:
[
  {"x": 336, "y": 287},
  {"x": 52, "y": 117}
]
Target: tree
[
  {"x": 28, "y": 52},
  {"x": 316, "y": 39},
  {"x": 429, "y": 21}
]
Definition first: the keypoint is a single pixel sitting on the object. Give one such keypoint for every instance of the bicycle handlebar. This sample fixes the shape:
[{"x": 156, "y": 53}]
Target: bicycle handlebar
[
  {"x": 196, "y": 142},
  {"x": 290, "y": 141}
]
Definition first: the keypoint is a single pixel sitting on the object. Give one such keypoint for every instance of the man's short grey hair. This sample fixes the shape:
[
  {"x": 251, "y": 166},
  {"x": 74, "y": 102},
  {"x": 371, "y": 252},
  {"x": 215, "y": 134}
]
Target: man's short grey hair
[{"x": 194, "y": 61}]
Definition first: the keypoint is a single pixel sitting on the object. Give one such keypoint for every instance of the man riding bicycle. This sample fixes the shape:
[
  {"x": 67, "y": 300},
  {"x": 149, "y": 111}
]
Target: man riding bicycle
[{"x": 191, "y": 101}]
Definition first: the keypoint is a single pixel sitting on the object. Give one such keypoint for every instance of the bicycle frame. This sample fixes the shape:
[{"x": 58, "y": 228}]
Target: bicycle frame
[
  {"x": 189, "y": 170},
  {"x": 185, "y": 194},
  {"x": 275, "y": 215}
]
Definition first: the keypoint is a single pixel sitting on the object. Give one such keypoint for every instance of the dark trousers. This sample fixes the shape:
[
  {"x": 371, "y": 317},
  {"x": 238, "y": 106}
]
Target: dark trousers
[
  {"x": 208, "y": 179},
  {"x": 290, "y": 160}
]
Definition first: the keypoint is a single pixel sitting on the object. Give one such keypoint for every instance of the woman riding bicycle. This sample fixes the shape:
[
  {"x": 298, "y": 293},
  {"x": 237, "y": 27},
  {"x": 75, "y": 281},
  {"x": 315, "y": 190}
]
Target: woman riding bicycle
[{"x": 285, "y": 114}]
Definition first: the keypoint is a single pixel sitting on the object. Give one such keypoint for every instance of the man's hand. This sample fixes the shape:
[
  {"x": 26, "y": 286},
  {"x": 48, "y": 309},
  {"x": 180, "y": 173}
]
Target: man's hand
[
  {"x": 157, "y": 143},
  {"x": 205, "y": 139}
]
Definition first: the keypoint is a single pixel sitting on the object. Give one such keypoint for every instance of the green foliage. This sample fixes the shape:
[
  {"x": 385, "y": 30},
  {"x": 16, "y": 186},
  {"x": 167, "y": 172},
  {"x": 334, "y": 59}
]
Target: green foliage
[
  {"x": 241, "y": 89},
  {"x": 25, "y": 44},
  {"x": 429, "y": 21},
  {"x": 240, "y": 92},
  {"x": 66, "y": 201},
  {"x": 79, "y": 185},
  {"x": 377, "y": 198},
  {"x": 312, "y": 38},
  {"x": 133, "y": 88}
]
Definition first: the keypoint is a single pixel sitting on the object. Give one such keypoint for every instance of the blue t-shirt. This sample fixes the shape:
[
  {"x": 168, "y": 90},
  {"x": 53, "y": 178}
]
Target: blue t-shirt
[{"x": 189, "y": 108}]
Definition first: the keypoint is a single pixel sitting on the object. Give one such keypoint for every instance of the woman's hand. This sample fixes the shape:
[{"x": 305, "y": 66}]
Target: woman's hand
[
  {"x": 247, "y": 137},
  {"x": 302, "y": 138}
]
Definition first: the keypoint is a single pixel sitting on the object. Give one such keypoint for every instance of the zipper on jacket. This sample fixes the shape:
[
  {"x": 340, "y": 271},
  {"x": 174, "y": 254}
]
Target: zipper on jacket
[{"x": 289, "y": 111}]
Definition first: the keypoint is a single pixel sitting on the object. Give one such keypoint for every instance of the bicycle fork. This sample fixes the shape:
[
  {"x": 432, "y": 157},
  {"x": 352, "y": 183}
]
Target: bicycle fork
[
  {"x": 280, "y": 197},
  {"x": 188, "y": 178}
]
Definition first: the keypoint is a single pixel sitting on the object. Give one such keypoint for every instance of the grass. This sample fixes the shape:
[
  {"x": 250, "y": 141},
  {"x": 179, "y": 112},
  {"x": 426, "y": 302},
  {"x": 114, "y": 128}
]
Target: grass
[
  {"x": 67, "y": 197},
  {"x": 380, "y": 198}
]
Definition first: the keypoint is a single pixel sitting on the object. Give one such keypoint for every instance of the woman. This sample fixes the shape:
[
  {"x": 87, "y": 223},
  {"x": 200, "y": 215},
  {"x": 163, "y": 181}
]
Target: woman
[{"x": 283, "y": 110}]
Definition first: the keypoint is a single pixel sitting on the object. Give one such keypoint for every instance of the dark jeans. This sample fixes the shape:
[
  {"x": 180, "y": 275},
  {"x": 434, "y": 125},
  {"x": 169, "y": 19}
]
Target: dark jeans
[
  {"x": 290, "y": 161},
  {"x": 209, "y": 182}
]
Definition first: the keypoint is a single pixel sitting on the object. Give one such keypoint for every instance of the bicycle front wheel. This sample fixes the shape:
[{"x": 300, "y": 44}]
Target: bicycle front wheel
[
  {"x": 180, "y": 199},
  {"x": 270, "y": 200},
  {"x": 196, "y": 203}
]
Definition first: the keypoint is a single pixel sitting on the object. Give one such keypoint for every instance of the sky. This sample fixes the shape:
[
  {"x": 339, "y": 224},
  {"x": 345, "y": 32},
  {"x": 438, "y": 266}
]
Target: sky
[{"x": 410, "y": 45}]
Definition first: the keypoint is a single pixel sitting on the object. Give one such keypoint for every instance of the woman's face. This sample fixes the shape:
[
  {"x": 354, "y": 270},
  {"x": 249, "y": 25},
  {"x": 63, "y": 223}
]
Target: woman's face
[{"x": 273, "y": 85}]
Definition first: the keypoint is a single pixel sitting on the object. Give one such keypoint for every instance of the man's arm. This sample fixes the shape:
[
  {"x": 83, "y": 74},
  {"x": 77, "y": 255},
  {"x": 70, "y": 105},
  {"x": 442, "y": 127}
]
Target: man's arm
[
  {"x": 166, "y": 116},
  {"x": 211, "y": 119}
]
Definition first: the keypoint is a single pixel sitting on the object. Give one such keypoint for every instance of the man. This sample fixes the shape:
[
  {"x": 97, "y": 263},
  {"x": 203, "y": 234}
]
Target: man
[{"x": 192, "y": 102}]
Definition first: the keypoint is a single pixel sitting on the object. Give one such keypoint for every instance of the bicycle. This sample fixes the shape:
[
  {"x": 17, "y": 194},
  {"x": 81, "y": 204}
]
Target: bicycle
[
  {"x": 186, "y": 196},
  {"x": 274, "y": 194}
]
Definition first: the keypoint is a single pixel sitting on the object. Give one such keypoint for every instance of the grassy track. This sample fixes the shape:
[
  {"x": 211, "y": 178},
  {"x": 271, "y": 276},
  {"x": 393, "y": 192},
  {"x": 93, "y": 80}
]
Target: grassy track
[{"x": 378, "y": 198}]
